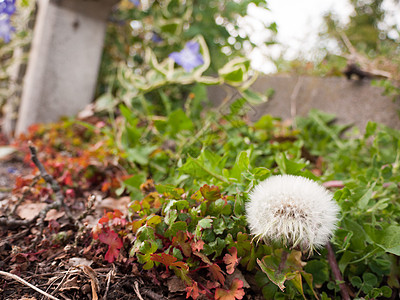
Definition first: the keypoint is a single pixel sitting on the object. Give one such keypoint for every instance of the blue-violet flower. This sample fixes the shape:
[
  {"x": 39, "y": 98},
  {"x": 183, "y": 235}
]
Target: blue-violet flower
[
  {"x": 5, "y": 29},
  {"x": 7, "y": 7},
  {"x": 189, "y": 57}
]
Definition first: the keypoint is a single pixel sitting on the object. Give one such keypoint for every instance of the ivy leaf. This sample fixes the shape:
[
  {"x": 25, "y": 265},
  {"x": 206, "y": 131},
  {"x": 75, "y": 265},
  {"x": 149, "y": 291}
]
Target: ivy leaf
[
  {"x": 180, "y": 240},
  {"x": 268, "y": 266},
  {"x": 231, "y": 260},
  {"x": 210, "y": 193},
  {"x": 235, "y": 292},
  {"x": 217, "y": 273},
  {"x": 193, "y": 291},
  {"x": 202, "y": 224},
  {"x": 168, "y": 260},
  {"x": 198, "y": 246},
  {"x": 114, "y": 244}
]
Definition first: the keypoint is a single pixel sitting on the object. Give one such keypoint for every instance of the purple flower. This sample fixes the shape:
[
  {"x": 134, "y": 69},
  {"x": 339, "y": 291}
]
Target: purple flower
[
  {"x": 6, "y": 29},
  {"x": 135, "y": 2},
  {"x": 189, "y": 57},
  {"x": 7, "y": 7},
  {"x": 156, "y": 38}
]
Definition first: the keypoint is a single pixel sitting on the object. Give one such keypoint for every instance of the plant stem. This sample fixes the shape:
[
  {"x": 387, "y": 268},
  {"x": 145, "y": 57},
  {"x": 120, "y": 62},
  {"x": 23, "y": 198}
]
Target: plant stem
[{"x": 336, "y": 272}]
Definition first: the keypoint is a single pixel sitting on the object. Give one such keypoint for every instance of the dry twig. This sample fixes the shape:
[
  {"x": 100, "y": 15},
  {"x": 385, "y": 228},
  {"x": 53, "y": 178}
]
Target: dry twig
[
  {"x": 20, "y": 280},
  {"x": 136, "y": 289}
]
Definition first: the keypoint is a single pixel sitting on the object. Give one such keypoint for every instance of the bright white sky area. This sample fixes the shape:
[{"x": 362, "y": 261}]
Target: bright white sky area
[{"x": 299, "y": 23}]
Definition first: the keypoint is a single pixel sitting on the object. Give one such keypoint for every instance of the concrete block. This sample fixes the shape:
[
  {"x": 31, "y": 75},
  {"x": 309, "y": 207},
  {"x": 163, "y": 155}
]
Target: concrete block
[
  {"x": 352, "y": 101},
  {"x": 64, "y": 59}
]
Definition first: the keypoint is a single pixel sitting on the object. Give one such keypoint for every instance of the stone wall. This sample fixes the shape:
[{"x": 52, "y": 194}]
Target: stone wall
[{"x": 352, "y": 101}]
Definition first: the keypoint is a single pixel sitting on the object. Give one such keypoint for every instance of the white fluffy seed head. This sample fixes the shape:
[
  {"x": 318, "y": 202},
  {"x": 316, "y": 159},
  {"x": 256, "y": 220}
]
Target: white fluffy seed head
[{"x": 293, "y": 211}]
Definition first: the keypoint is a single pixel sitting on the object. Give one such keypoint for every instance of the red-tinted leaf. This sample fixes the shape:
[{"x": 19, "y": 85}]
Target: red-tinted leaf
[
  {"x": 168, "y": 260},
  {"x": 114, "y": 244},
  {"x": 180, "y": 240},
  {"x": 211, "y": 193},
  {"x": 119, "y": 222},
  {"x": 97, "y": 230},
  {"x": 198, "y": 246},
  {"x": 235, "y": 292},
  {"x": 216, "y": 272},
  {"x": 193, "y": 291},
  {"x": 231, "y": 260},
  {"x": 117, "y": 213},
  {"x": 103, "y": 219},
  {"x": 70, "y": 193}
]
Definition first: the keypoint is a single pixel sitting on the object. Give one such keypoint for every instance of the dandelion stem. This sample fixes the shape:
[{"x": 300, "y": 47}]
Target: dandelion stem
[{"x": 336, "y": 272}]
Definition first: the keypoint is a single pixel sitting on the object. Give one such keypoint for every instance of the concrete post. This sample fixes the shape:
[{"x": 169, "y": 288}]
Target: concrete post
[{"x": 64, "y": 59}]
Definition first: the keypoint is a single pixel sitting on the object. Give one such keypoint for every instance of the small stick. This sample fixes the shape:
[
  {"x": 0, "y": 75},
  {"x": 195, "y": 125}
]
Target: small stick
[
  {"x": 136, "y": 289},
  {"x": 54, "y": 185},
  {"x": 110, "y": 275},
  {"x": 336, "y": 272},
  {"x": 20, "y": 280}
]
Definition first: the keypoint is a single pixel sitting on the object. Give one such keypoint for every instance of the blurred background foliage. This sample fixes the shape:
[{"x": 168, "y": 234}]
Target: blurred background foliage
[
  {"x": 165, "y": 26},
  {"x": 367, "y": 34}
]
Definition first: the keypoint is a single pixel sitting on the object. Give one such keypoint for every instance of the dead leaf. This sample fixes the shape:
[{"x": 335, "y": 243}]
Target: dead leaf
[
  {"x": 236, "y": 275},
  {"x": 113, "y": 203},
  {"x": 94, "y": 282},
  {"x": 29, "y": 210},
  {"x": 54, "y": 214},
  {"x": 70, "y": 284},
  {"x": 76, "y": 261},
  {"x": 175, "y": 284}
]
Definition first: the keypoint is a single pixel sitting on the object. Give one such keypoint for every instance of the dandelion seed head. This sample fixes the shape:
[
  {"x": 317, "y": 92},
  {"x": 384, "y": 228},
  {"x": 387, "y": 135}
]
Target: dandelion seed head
[{"x": 293, "y": 211}]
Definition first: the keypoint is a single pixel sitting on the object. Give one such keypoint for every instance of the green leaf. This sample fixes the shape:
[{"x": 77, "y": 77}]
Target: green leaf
[
  {"x": 241, "y": 165},
  {"x": 344, "y": 261},
  {"x": 356, "y": 281},
  {"x": 206, "y": 165},
  {"x": 178, "y": 121},
  {"x": 370, "y": 129},
  {"x": 363, "y": 202},
  {"x": 261, "y": 173},
  {"x": 175, "y": 227},
  {"x": 277, "y": 278},
  {"x": 319, "y": 271},
  {"x": 202, "y": 224},
  {"x": 140, "y": 155},
  {"x": 288, "y": 166},
  {"x": 388, "y": 238},
  {"x": 134, "y": 182},
  {"x": 253, "y": 97},
  {"x": 171, "y": 216},
  {"x": 370, "y": 279}
]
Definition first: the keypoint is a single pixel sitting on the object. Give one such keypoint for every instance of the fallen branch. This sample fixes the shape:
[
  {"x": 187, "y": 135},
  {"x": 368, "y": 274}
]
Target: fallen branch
[
  {"x": 13, "y": 223},
  {"x": 20, "y": 280},
  {"x": 336, "y": 272},
  {"x": 59, "y": 201}
]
